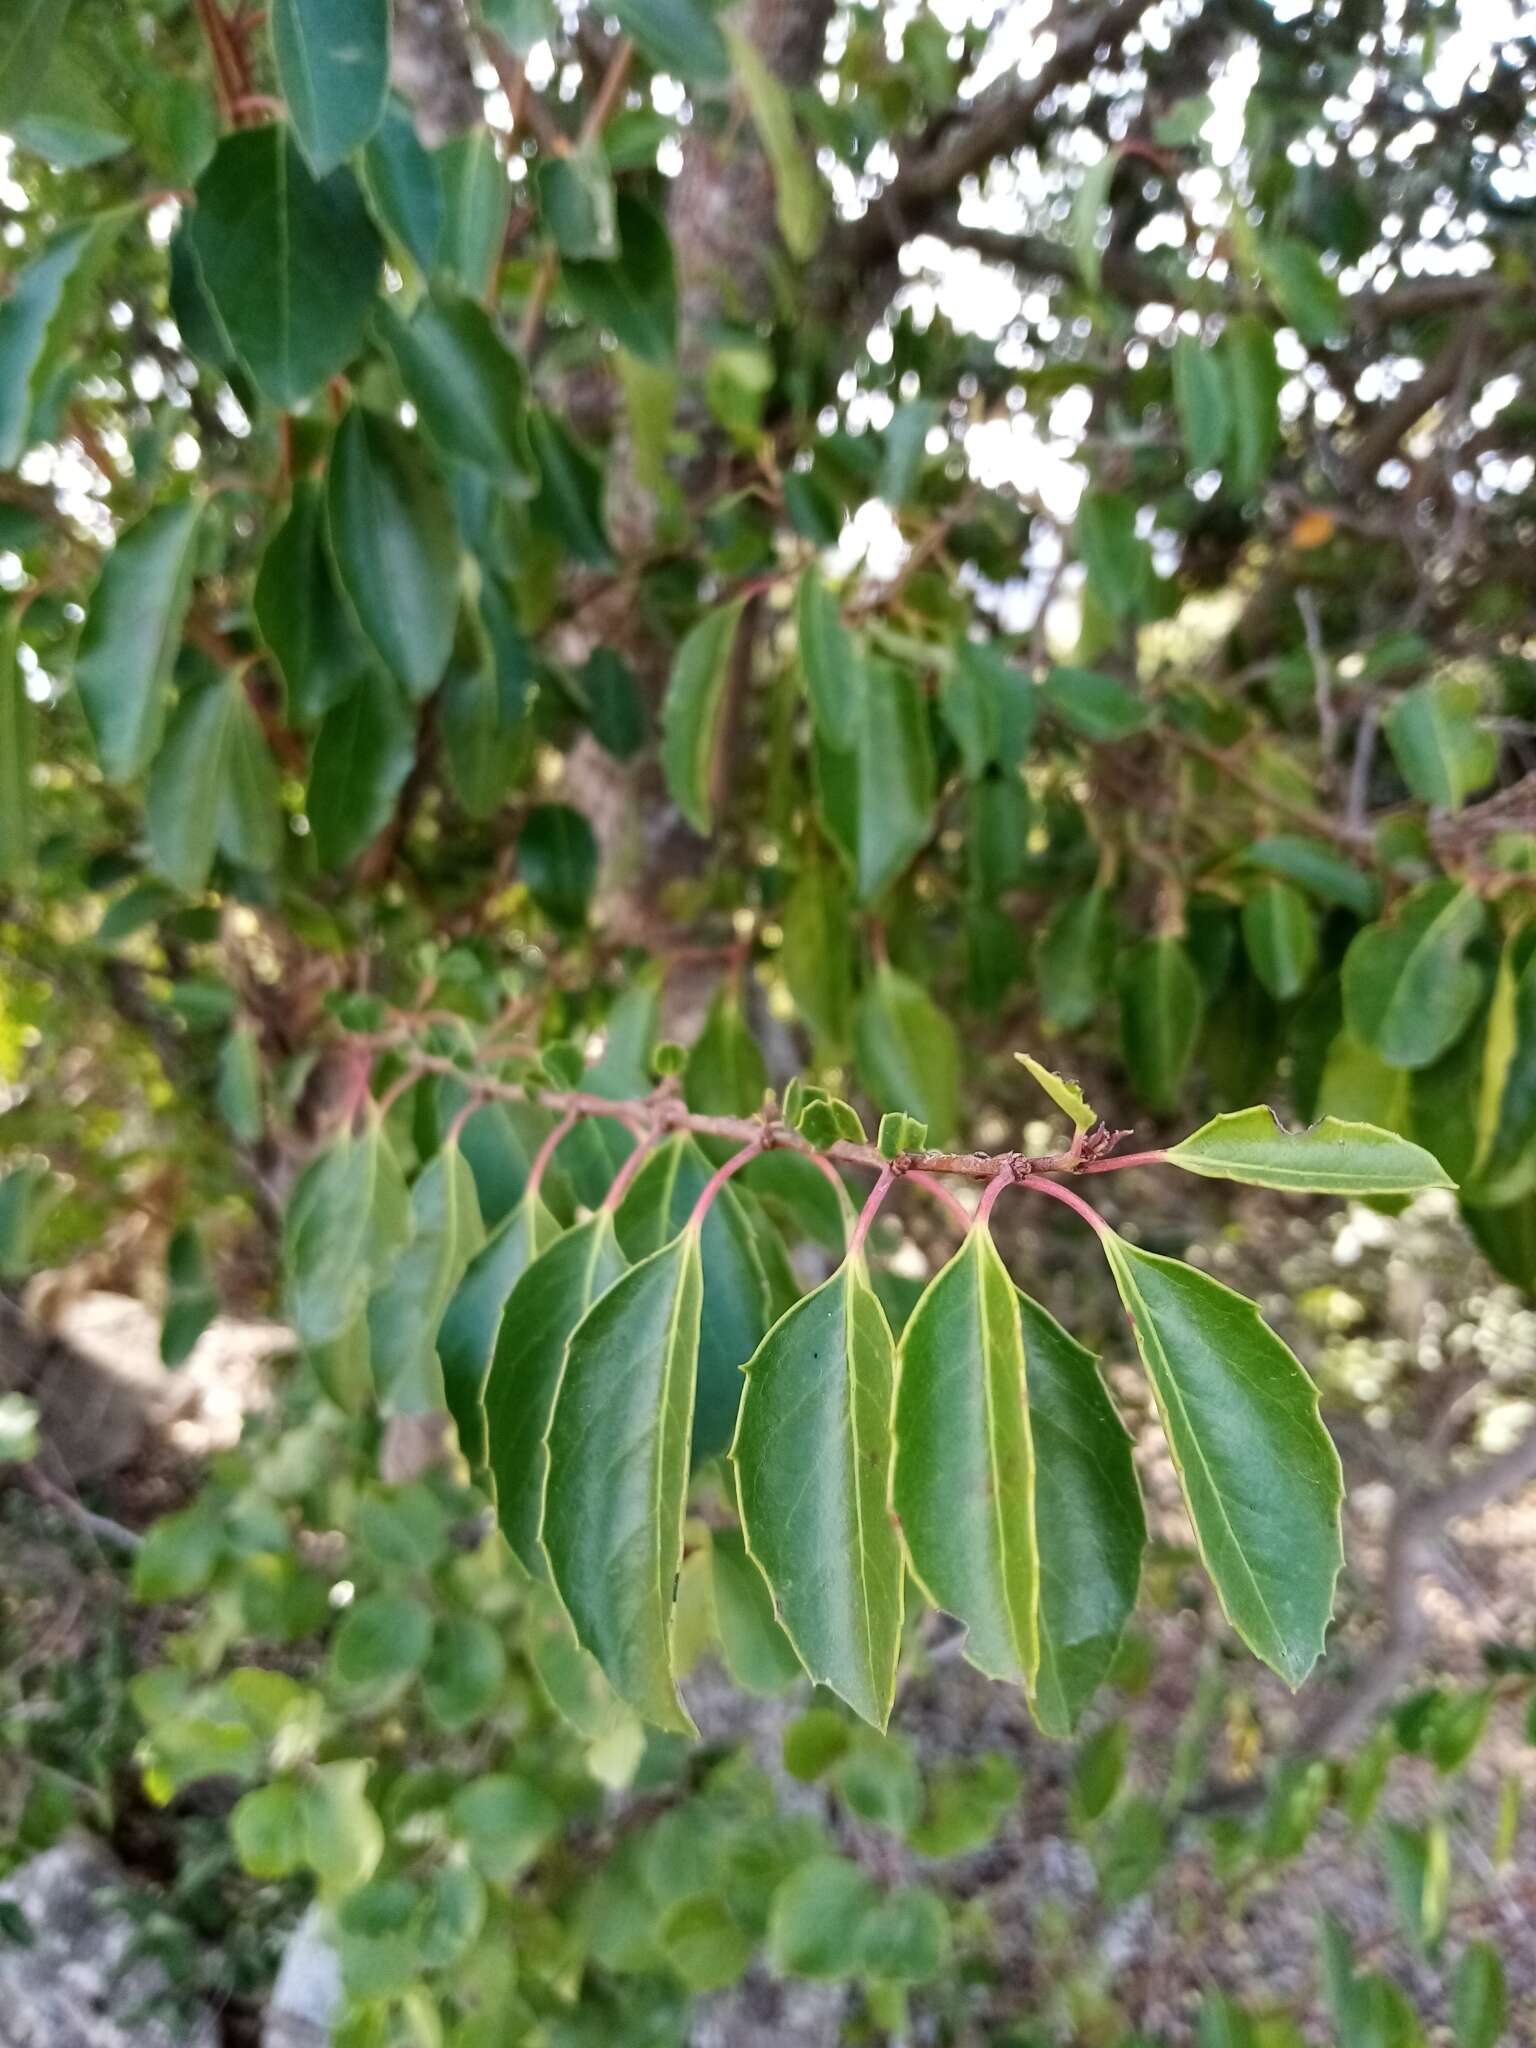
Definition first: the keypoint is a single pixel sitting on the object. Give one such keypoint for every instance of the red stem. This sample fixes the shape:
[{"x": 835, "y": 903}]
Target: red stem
[
  {"x": 871, "y": 1209},
  {"x": 1126, "y": 1159},
  {"x": 1076, "y": 1203},
  {"x": 990, "y": 1193},
  {"x": 941, "y": 1194},
  {"x": 626, "y": 1173},
  {"x": 719, "y": 1177},
  {"x": 548, "y": 1149}
]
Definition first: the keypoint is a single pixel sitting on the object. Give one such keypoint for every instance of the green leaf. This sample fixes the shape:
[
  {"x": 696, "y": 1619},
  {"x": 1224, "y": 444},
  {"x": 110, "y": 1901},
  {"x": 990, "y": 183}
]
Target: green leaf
[
  {"x": 1118, "y": 562},
  {"x": 885, "y": 787},
  {"x": 963, "y": 1484},
  {"x": 570, "y": 500},
  {"x": 692, "y": 714},
  {"x": 1073, "y": 960},
  {"x": 395, "y": 546},
  {"x": 812, "y": 1456},
  {"x": 738, "y": 1302},
  {"x": 1280, "y": 935},
  {"x": 989, "y": 706},
  {"x": 906, "y": 1939},
  {"x": 725, "y": 1074},
  {"x": 797, "y": 190},
  {"x": 186, "y": 784},
  {"x": 348, "y": 1218},
  {"x": 1089, "y": 202},
  {"x": 1442, "y": 751},
  {"x": 1098, "y": 1771},
  {"x": 819, "y": 1913},
  {"x": 506, "y": 1823},
  {"x": 380, "y": 1646},
  {"x": 267, "y": 1829},
  {"x": 1161, "y": 1008},
  {"x": 332, "y": 59},
  {"x": 343, "y": 1836},
  {"x": 966, "y": 1805},
  {"x": 403, "y": 184},
  {"x": 477, "y": 205},
  {"x": 546, "y": 1303},
  {"x": 29, "y": 35},
  {"x": 680, "y": 36},
  {"x": 1316, "y": 866},
  {"x": 191, "y": 1299},
  {"x": 702, "y": 1941},
  {"x": 17, "y": 745},
  {"x": 1099, "y": 707},
  {"x": 131, "y": 633},
  {"x": 1410, "y": 989},
  {"x": 1479, "y": 1998},
  {"x": 363, "y": 752},
  {"x": 465, "y": 1673},
  {"x": 815, "y": 955},
  {"x": 1202, "y": 400},
  {"x": 40, "y": 316},
  {"x": 829, "y": 661},
  {"x": 238, "y": 1088},
  {"x": 469, "y": 390},
  {"x": 250, "y": 825},
  {"x": 302, "y": 615},
  {"x": 577, "y": 203},
  {"x": 1260, "y": 1475},
  {"x": 908, "y": 1056},
  {"x": 405, "y": 1310},
  {"x": 1308, "y": 297},
  {"x": 1089, "y": 1525},
  {"x": 1332, "y": 1158},
  {"x": 290, "y": 266},
  {"x": 903, "y": 447},
  {"x": 466, "y": 1341},
  {"x": 900, "y": 1133},
  {"x": 618, "y": 1471},
  {"x": 557, "y": 863},
  {"x": 633, "y": 295},
  {"x": 1066, "y": 1095},
  {"x": 1247, "y": 350},
  {"x": 1418, "y": 1876},
  {"x": 758, "y": 1654}
]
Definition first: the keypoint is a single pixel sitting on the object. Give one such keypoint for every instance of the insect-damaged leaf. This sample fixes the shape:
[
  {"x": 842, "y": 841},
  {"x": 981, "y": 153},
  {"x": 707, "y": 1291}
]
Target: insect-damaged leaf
[
  {"x": 1332, "y": 1158},
  {"x": 812, "y": 1457},
  {"x": 618, "y": 1473}
]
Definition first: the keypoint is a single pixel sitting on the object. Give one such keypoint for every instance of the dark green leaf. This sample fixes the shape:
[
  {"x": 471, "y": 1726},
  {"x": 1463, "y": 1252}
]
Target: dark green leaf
[
  {"x": 332, "y": 60},
  {"x": 570, "y": 500},
  {"x": 404, "y": 1312},
  {"x": 1314, "y": 865},
  {"x": 477, "y": 204},
  {"x": 290, "y": 266},
  {"x": 1280, "y": 934},
  {"x": 467, "y": 386},
  {"x": 302, "y": 615},
  {"x": 17, "y": 722},
  {"x": 692, "y": 712},
  {"x": 1161, "y": 1007},
  {"x": 680, "y": 36},
  {"x": 1095, "y": 705},
  {"x": 396, "y": 547},
  {"x": 1073, "y": 959},
  {"x": 39, "y": 316},
  {"x": 618, "y": 1471},
  {"x": 1202, "y": 400},
  {"x": 557, "y": 862},
  {"x": 363, "y": 753},
  {"x": 829, "y": 661},
  {"x": 634, "y": 294},
  {"x": 812, "y": 1457},
  {"x": 404, "y": 188},
  {"x": 466, "y": 1341},
  {"x": 131, "y": 633},
  {"x": 1259, "y": 1472},
  {"x": 1253, "y": 377},
  {"x": 908, "y": 1057}
]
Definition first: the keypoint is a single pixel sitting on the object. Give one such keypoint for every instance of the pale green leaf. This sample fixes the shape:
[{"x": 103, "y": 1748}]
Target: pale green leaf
[
  {"x": 1410, "y": 985},
  {"x": 1332, "y": 1158},
  {"x": 1066, "y": 1095},
  {"x": 797, "y": 190},
  {"x": 692, "y": 713}
]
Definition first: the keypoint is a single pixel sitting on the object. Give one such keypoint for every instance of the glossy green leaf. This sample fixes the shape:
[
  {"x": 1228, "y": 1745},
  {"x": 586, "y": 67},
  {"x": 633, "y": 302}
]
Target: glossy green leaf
[
  {"x": 1090, "y": 1529},
  {"x": 578, "y": 205},
  {"x": 1332, "y": 1158},
  {"x": 469, "y": 389},
  {"x": 1161, "y": 1008},
  {"x": 557, "y": 862},
  {"x": 812, "y": 1459},
  {"x": 692, "y": 714},
  {"x": 1280, "y": 935},
  {"x": 907, "y": 1053},
  {"x": 829, "y": 661},
  {"x": 1410, "y": 987},
  {"x": 396, "y": 547},
  {"x": 1260, "y": 1475},
  {"x": 1066, "y": 1095},
  {"x": 38, "y": 318},
  {"x": 466, "y": 1340},
  {"x": 680, "y": 36},
  {"x": 403, "y": 183},
  {"x": 332, "y": 59},
  {"x": 131, "y": 633},
  {"x": 1073, "y": 960},
  {"x": 963, "y": 1483},
  {"x": 362, "y": 755},
  {"x": 1443, "y": 751},
  {"x": 1202, "y": 400},
  {"x": 569, "y": 504},
  {"x": 477, "y": 205},
  {"x": 404, "y": 1312},
  {"x": 301, "y": 613},
  {"x": 737, "y": 1303},
  {"x": 17, "y": 745},
  {"x": 618, "y": 1442},
  {"x": 633, "y": 294},
  {"x": 546, "y": 1303},
  {"x": 290, "y": 265},
  {"x": 800, "y": 203},
  {"x": 1099, "y": 707}
]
